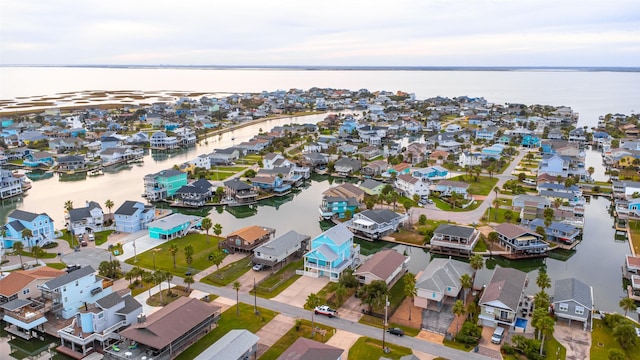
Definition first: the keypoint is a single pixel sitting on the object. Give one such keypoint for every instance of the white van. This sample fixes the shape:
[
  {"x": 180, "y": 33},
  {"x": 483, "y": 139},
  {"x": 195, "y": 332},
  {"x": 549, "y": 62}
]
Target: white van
[{"x": 498, "y": 333}]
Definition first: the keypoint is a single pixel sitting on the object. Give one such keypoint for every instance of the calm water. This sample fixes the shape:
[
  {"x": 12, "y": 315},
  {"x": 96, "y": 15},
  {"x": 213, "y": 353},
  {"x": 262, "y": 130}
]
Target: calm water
[{"x": 590, "y": 93}]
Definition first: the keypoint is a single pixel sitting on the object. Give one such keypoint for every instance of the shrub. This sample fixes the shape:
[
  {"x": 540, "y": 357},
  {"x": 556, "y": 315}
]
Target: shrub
[
  {"x": 612, "y": 320},
  {"x": 469, "y": 334}
]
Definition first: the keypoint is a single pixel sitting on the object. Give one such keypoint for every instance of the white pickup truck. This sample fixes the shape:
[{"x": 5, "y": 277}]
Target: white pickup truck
[{"x": 325, "y": 310}]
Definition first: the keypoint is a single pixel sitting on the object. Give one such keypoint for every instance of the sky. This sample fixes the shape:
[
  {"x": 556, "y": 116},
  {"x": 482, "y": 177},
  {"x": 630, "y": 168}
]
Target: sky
[{"x": 321, "y": 33}]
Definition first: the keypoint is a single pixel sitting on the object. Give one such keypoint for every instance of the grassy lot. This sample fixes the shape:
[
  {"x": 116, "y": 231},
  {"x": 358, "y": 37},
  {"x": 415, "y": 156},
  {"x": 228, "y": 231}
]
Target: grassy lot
[
  {"x": 407, "y": 236},
  {"x": 368, "y": 348},
  {"x": 219, "y": 175},
  {"x": 326, "y": 293},
  {"x": 102, "y": 237},
  {"x": 635, "y": 235},
  {"x": 229, "y": 168},
  {"x": 229, "y": 273},
  {"x": 553, "y": 347},
  {"x": 396, "y": 293},
  {"x": 456, "y": 345},
  {"x": 229, "y": 321},
  {"x": 164, "y": 259},
  {"x": 493, "y": 215},
  {"x": 443, "y": 205},
  {"x": 278, "y": 276},
  {"x": 377, "y": 322},
  {"x": 43, "y": 254},
  {"x": 602, "y": 341},
  {"x": 292, "y": 335},
  {"x": 481, "y": 246},
  {"x": 372, "y": 247},
  {"x": 483, "y": 186},
  {"x": 59, "y": 266}
]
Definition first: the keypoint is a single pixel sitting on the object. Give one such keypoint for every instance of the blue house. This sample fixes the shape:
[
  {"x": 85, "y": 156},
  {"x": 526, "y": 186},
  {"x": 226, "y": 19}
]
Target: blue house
[
  {"x": 39, "y": 158},
  {"x": 337, "y": 206},
  {"x": 271, "y": 183},
  {"x": 133, "y": 216},
  {"x": 557, "y": 231},
  {"x": 493, "y": 151},
  {"x": 40, "y": 225},
  {"x": 488, "y": 133},
  {"x": 331, "y": 253},
  {"x": 531, "y": 141},
  {"x": 173, "y": 226},
  {"x": 431, "y": 172},
  {"x": 447, "y": 187}
]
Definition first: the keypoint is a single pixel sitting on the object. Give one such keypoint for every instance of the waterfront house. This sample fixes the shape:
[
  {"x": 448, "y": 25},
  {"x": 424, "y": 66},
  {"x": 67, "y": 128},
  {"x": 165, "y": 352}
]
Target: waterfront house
[
  {"x": 248, "y": 238},
  {"x": 160, "y": 140},
  {"x": 387, "y": 265},
  {"x": 369, "y": 152},
  {"x": 399, "y": 169},
  {"x": 118, "y": 155},
  {"x": 331, "y": 253},
  {"x": 347, "y": 166},
  {"x": 196, "y": 194},
  {"x": 10, "y": 185},
  {"x": 71, "y": 163},
  {"x": 439, "y": 283},
  {"x": 224, "y": 156},
  {"x": 24, "y": 284},
  {"x": 98, "y": 323},
  {"x": 625, "y": 189},
  {"x": 520, "y": 242},
  {"x": 346, "y": 190},
  {"x": 280, "y": 249},
  {"x": 501, "y": 299},
  {"x": 376, "y": 223},
  {"x": 164, "y": 184},
  {"x": 37, "y": 159},
  {"x": 337, "y": 206},
  {"x": 315, "y": 159},
  {"x": 375, "y": 168},
  {"x": 89, "y": 218},
  {"x": 77, "y": 288},
  {"x": 167, "y": 332},
  {"x": 456, "y": 240},
  {"x": 237, "y": 344},
  {"x": 173, "y": 226},
  {"x": 447, "y": 187},
  {"x": 553, "y": 165},
  {"x": 239, "y": 192},
  {"x": 133, "y": 216},
  {"x": 556, "y": 231},
  {"x": 372, "y": 187},
  {"x": 270, "y": 183},
  {"x": 273, "y": 160},
  {"x": 410, "y": 186},
  {"x": 431, "y": 173},
  {"x": 202, "y": 161},
  {"x": 40, "y": 225},
  {"x": 347, "y": 149},
  {"x": 307, "y": 349},
  {"x": 573, "y": 300}
]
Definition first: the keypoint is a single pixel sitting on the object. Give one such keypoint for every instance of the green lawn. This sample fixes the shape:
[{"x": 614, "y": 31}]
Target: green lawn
[
  {"x": 377, "y": 322},
  {"x": 164, "y": 259},
  {"x": 481, "y": 246},
  {"x": 229, "y": 168},
  {"x": 493, "y": 215},
  {"x": 635, "y": 235},
  {"x": 292, "y": 335},
  {"x": 368, "y": 348},
  {"x": 219, "y": 175},
  {"x": 553, "y": 347},
  {"x": 229, "y": 321},
  {"x": 228, "y": 274},
  {"x": 102, "y": 237},
  {"x": 372, "y": 247},
  {"x": 59, "y": 266},
  {"x": 278, "y": 276},
  {"x": 443, "y": 205},
  {"x": 602, "y": 341},
  {"x": 483, "y": 186}
]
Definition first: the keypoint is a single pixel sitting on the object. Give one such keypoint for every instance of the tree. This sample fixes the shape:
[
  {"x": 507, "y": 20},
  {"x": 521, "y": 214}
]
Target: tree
[
  {"x": 545, "y": 326},
  {"x": 458, "y": 309},
  {"x": 149, "y": 278},
  {"x": 541, "y": 231},
  {"x": 627, "y": 304},
  {"x": 422, "y": 219},
  {"x": 591, "y": 170},
  {"x": 476, "y": 261},
  {"x": 168, "y": 277},
  {"x": 543, "y": 280},
  {"x": 313, "y": 300},
  {"x": 217, "y": 256},
  {"x": 109, "y": 205},
  {"x": 340, "y": 293},
  {"x": 217, "y": 229},
  {"x": 189, "y": 280},
  {"x": 36, "y": 251},
  {"x": 68, "y": 205},
  {"x": 625, "y": 334},
  {"x": 18, "y": 248},
  {"x": 508, "y": 215},
  {"x": 188, "y": 254},
  {"x": 236, "y": 287},
  {"x": 466, "y": 281},
  {"x": 493, "y": 238},
  {"x": 373, "y": 294},
  {"x": 616, "y": 354},
  {"x": 173, "y": 249},
  {"x": 26, "y": 235},
  {"x": 410, "y": 289},
  {"x": 206, "y": 225}
]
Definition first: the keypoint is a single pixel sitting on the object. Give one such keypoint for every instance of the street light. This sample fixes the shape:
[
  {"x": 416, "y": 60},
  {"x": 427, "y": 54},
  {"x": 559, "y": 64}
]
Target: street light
[{"x": 135, "y": 254}]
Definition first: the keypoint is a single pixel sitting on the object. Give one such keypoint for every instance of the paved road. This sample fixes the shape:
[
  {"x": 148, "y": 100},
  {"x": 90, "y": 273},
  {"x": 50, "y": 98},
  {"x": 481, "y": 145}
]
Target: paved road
[{"x": 473, "y": 216}]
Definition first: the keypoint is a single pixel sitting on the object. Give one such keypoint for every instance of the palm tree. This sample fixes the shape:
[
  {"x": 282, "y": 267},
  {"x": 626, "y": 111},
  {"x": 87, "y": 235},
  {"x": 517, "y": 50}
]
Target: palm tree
[
  {"x": 188, "y": 254},
  {"x": 458, "y": 309},
  {"x": 206, "y": 225},
  {"x": 493, "y": 238},
  {"x": 18, "y": 247},
  {"x": 36, "y": 251},
  {"x": 27, "y": 234},
  {"x": 466, "y": 281},
  {"x": 627, "y": 304},
  {"x": 625, "y": 334},
  {"x": 217, "y": 257},
  {"x": 68, "y": 205},
  {"x": 168, "y": 277},
  {"x": 476, "y": 261},
  {"x": 109, "y": 205},
  {"x": 189, "y": 280},
  {"x": 313, "y": 300},
  {"x": 158, "y": 277},
  {"x": 236, "y": 287},
  {"x": 149, "y": 278},
  {"x": 217, "y": 229},
  {"x": 543, "y": 281},
  {"x": 173, "y": 249},
  {"x": 129, "y": 276},
  {"x": 410, "y": 289},
  {"x": 545, "y": 326},
  {"x": 340, "y": 293}
]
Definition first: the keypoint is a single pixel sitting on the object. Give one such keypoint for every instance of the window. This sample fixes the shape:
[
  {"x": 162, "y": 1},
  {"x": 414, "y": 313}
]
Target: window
[
  {"x": 433, "y": 295},
  {"x": 448, "y": 288},
  {"x": 76, "y": 282},
  {"x": 25, "y": 291},
  {"x": 563, "y": 307},
  {"x": 579, "y": 310}
]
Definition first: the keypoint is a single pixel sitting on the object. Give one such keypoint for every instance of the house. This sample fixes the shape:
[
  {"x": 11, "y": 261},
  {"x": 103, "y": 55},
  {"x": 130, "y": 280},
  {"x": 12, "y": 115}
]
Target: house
[
  {"x": 24, "y": 284},
  {"x": 530, "y": 141},
  {"x": 501, "y": 299},
  {"x": 77, "y": 288},
  {"x": 438, "y": 156},
  {"x": 281, "y": 248},
  {"x": 494, "y": 151},
  {"x": 173, "y": 226},
  {"x": 372, "y": 187},
  {"x": 118, "y": 155},
  {"x": 331, "y": 253},
  {"x": 520, "y": 242},
  {"x": 337, "y": 206},
  {"x": 439, "y": 283},
  {"x": 272, "y": 160},
  {"x": 448, "y": 187},
  {"x": 315, "y": 159},
  {"x": 40, "y": 225},
  {"x": 375, "y": 168},
  {"x": 416, "y": 153},
  {"x": 556, "y": 231},
  {"x": 133, "y": 216},
  {"x": 400, "y": 169},
  {"x": 470, "y": 159},
  {"x": 307, "y": 349},
  {"x": 164, "y": 184},
  {"x": 160, "y": 140},
  {"x": 271, "y": 183},
  {"x": 169, "y": 331},
  {"x": 196, "y": 194},
  {"x": 376, "y": 223},
  {"x": 347, "y": 166},
  {"x": 410, "y": 186},
  {"x": 346, "y": 190},
  {"x": 237, "y": 344},
  {"x": 239, "y": 192},
  {"x": 98, "y": 323},
  {"x": 456, "y": 240},
  {"x": 88, "y": 218},
  {"x": 386, "y": 265},
  {"x": 486, "y": 133},
  {"x": 431, "y": 173},
  {"x": 10, "y": 185},
  {"x": 224, "y": 156},
  {"x": 71, "y": 163},
  {"x": 573, "y": 300},
  {"x": 37, "y": 159},
  {"x": 248, "y": 238}
]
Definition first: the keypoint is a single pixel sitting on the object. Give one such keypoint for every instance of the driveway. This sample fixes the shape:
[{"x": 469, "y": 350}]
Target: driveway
[
  {"x": 296, "y": 294},
  {"x": 343, "y": 340},
  {"x": 87, "y": 256},
  {"x": 351, "y": 309},
  {"x": 574, "y": 339},
  {"x": 273, "y": 331},
  {"x": 247, "y": 279}
]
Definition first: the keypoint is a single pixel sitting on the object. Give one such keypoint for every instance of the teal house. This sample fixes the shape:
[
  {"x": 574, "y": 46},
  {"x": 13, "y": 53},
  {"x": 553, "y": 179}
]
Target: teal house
[
  {"x": 337, "y": 206},
  {"x": 331, "y": 253},
  {"x": 173, "y": 226},
  {"x": 164, "y": 184}
]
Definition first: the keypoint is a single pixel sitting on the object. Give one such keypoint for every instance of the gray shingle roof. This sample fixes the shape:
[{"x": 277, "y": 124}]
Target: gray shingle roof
[
  {"x": 455, "y": 230},
  {"x": 23, "y": 215},
  {"x": 68, "y": 278},
  {"x": 441, "y": 273},
  {"x": 130, "y": 304},
  {"x": 172, "y": 221},
  {"x": 573, "y": 289},
  {"x": 379, "y": 216},
  {"x": 79, "y": 214},
  {"x": 110, "y": 300},
  {"x": 127, "y": 208},
  {"x": 506, "y": 286},
  {"x": 339, "y": 234},
  {"x": 282, "y": 243},
  {"x": 237, "y": 185}
]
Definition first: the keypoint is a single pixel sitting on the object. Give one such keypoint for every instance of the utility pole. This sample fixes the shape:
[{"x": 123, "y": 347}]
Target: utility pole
[
  {"x": 384, "y": 325},
  {"x": 255, "y": 297}
]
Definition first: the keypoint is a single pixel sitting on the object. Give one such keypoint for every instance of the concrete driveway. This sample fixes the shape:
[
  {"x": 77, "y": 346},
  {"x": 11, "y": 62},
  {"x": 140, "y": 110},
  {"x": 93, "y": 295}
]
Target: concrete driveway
[
  {"x": 273, "y": 331},
  {"x": 296, "y": 294},
  {"x": 87, "y": 256},
  {"x": 246, "y": 280},
  {"x": 351, "y": 309},
  {"x": 574, "y": 339},
  {"x": 343, "y": 340}
]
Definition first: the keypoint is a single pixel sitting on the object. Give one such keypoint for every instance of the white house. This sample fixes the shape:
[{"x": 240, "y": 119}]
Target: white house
[{"x": 410, "y": 186}]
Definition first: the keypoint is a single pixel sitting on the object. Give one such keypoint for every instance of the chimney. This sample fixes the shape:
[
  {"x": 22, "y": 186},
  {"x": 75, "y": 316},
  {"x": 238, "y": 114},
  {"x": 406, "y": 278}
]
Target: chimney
[{"x": 142, "y": 318}]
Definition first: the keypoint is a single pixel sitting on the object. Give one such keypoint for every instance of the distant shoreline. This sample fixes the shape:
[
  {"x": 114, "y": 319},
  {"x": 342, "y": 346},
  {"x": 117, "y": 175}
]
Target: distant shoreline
[{"x": 341, "y": 68}]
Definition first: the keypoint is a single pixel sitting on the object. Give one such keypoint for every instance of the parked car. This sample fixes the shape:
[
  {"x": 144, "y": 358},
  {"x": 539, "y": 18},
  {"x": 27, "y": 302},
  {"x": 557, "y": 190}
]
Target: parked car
[
  {"x": 395, "y": 331},
  {"x": 325, "y": 310},
  {"x": 92, "y": 236},
  {"x": 84, "y": 242},
  {"x": 498, "y": 333},
  {"x": 258, "y": 267}
]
